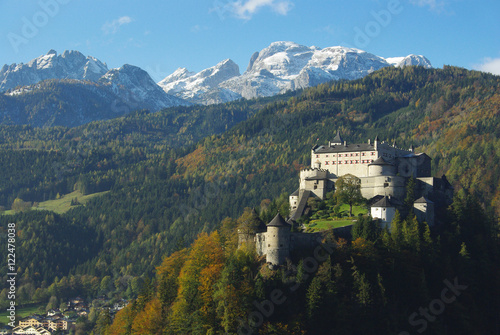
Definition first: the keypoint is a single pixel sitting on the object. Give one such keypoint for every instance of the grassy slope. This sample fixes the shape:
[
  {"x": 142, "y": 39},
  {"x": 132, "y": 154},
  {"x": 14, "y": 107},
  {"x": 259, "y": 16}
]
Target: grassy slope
[{"x": 63, "y": 204}]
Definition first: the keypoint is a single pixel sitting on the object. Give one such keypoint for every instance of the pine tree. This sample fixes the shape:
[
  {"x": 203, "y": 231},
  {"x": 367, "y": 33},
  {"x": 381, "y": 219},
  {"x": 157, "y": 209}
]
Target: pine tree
[{"x": 397, "y": 231}]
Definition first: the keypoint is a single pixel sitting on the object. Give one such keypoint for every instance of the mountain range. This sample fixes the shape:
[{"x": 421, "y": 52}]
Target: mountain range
[
  {"x": 94, "y": 92},
  {"x": 281, "y": 67}
]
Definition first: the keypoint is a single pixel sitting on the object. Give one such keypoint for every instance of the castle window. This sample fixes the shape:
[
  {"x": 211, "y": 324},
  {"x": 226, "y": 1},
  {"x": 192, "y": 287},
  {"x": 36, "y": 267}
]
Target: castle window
[
  {"x": 373, "y": 154},
  {"x": 317, "y": 156},
  {"x": 357, "y": 155},
  {"x": 357, "y": 162},
  {"x": 333, "y": 163},
  {"x": 326, "y": 155},
  {"x": 268, "y": 245},
  {"x": 326, "y": 163}
]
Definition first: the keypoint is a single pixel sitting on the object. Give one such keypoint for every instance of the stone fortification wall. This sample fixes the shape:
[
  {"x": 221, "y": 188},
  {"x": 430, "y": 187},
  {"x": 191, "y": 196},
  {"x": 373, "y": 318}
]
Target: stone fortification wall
[{"x": 383, "y": 185}]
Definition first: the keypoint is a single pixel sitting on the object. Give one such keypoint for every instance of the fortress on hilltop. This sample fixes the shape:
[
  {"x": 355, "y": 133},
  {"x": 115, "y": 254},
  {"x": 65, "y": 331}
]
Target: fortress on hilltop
[{"x": 384, "y": 171}]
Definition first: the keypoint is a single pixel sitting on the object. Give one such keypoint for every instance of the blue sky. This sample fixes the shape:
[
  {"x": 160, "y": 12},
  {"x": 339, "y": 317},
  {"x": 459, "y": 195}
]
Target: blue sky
[{"x": 162, "y": 35}]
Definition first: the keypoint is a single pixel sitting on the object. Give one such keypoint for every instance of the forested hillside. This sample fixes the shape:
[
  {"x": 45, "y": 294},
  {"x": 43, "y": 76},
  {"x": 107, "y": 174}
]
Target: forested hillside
[
  {"x": 404, "y": 281},
  {"x": 179, "y": 172}
]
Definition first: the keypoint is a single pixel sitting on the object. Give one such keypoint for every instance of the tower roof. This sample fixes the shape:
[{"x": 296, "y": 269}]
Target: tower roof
[
  {"x": 423, "y": 200},
  {"x": 337, "y": 139},
  {"x": 384, "y": 202},
  {"x": 380, "y": 161},
  {"x": 278, "y": 221}
]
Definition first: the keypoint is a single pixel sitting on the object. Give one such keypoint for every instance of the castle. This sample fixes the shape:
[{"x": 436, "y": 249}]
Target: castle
[{"x": 384, "y": 171}]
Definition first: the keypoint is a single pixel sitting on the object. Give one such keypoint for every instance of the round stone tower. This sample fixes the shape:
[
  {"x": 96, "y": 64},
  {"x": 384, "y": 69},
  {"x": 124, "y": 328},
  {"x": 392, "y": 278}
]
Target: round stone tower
[
  {"x": 278, "y": 240},
  {"x": 381, "y": 168}
]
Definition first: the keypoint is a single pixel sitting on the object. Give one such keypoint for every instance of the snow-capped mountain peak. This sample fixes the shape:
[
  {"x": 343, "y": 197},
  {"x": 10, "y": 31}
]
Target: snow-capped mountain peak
[
  {"x": 196, "y": 86},
  {"x": 409, "y": 60},
  {"x": 135, "y": 86},
  {"x": 68, "y": 65}
]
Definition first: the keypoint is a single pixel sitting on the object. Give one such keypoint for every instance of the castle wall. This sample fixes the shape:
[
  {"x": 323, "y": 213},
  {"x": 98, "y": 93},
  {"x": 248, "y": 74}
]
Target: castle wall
[
  {"x": 383, "y": 185},
  {"x": 260, "y": 244},
  {"x": 424, "y": 212},
  {"x": 294, "y": 201},
  {"x": 339, "y": 164},
  {"x": 317, "y": 187},
  {"x": 244, "y": 238},
  {"x": 304, "y": 240},
  {"x": 425, "y": 186},
  {"x": 381, "y": 170},
  {"x": 314, "y": 180},
  {"x": 385, "y": 214},
  {"x": 356, "y": 161}
]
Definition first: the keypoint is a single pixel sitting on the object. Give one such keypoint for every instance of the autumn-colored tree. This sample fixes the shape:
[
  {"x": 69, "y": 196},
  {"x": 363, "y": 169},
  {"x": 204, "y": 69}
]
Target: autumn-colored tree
[
  {"x": 167, "y": 275},
  {"x": 149, "y": 321},
  {"x": 194, "y": 293},
  {"x": 122, "y": 323}
]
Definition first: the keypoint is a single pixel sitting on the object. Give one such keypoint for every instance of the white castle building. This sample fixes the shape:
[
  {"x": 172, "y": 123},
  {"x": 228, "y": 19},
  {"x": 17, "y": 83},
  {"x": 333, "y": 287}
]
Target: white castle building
[{"x": 384, "y": 171}]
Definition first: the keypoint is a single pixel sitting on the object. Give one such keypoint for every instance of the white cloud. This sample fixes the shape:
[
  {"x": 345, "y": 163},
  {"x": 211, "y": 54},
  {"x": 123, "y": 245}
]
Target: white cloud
[
  {"x": 491, "y": 65},
  {"x": 113, "y": 26},
  {"x": 434, "y": 5},
  {"x": 197, "y": 28},
  {"x": 244, "y": 9}
]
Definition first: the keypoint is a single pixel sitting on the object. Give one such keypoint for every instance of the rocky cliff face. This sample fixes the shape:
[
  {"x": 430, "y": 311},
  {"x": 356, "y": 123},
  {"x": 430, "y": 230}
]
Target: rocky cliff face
[{"x": 69, "y": 65}]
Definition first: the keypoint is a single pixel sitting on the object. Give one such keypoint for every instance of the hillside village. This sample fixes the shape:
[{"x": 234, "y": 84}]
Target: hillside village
[
  {"x": 384, "y": 171},
  {"x": 57, "y": 321}
]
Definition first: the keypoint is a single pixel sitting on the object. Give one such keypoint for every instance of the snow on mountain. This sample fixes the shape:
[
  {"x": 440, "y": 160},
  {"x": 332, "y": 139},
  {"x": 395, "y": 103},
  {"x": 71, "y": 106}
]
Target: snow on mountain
[
  {"x": 280, "y": 67},
  {"x": 202, "y": 87},
  {"x": 138, "y": 90},
  {"x": 287, "y": 66},
  {"x": 409, "y": 60},
  {"x": 69, "y": 65}
]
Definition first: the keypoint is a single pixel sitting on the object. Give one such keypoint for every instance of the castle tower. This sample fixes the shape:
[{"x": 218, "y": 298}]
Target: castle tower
[
  {"x": 424, "y": 210},
  {"x": 337, "y": 140},
  {"x": 278, "y": 240},
  {"x": 251, "y": 226},
  {"x": 384, "y": 209},
  {"x": 380, "y": 167}
]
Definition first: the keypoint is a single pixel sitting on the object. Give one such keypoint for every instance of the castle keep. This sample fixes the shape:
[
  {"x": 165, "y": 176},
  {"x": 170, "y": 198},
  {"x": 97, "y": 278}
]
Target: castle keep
[{"x": 384, "y": 171}]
